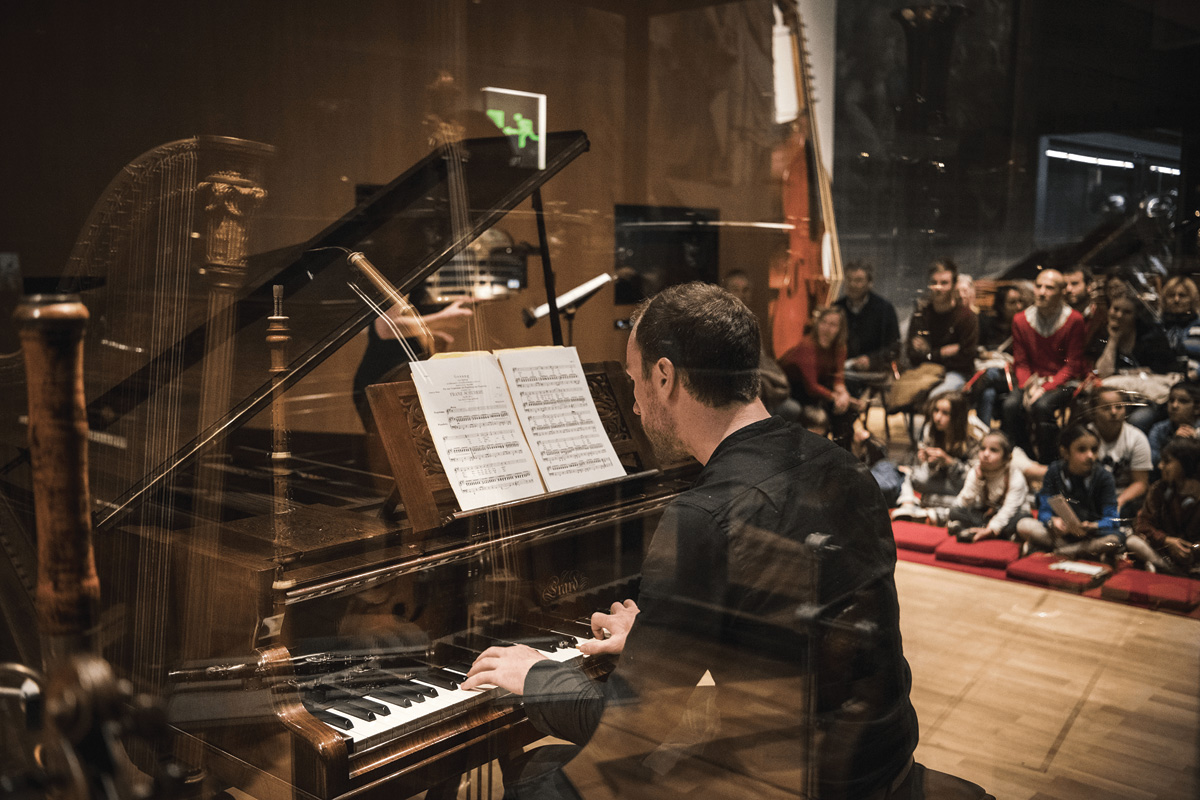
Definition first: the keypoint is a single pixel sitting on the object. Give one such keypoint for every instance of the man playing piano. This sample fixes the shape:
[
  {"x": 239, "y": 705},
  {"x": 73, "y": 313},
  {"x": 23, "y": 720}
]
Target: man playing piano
[{"x": 765, "y": 660}]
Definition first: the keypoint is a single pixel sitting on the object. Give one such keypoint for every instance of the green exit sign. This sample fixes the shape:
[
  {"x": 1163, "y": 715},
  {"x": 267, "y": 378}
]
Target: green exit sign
[{"x": 522, "y": 117}]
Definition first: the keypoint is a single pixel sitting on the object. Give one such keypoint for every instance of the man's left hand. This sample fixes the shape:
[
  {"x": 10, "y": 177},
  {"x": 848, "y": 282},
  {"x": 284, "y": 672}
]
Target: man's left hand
[{"x": 505, "y": 667}]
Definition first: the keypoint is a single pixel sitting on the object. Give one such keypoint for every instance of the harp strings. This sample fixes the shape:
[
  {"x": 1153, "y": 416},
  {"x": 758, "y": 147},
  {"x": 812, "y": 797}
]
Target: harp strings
[{"x": 499, "y": 521}]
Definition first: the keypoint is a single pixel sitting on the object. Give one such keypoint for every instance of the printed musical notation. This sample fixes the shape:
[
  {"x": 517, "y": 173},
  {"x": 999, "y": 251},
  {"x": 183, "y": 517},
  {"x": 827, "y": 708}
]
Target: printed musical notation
[
  {"x": 514, "y": 424},
  {"x": 556, "y": 410},
  {"x": 475, "y": 430}
]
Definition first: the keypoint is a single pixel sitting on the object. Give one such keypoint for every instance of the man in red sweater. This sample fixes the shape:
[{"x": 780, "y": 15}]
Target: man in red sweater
[{"x": 1048, "y": 342}]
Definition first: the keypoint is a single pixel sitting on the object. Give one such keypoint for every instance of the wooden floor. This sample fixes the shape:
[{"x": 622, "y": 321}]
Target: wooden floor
[{"x": 1044, "y": 695}]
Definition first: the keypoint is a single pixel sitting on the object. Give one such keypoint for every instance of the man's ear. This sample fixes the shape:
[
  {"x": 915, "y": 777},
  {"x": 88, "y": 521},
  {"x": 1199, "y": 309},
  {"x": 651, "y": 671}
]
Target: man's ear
[{"x": 664, "y": 376}]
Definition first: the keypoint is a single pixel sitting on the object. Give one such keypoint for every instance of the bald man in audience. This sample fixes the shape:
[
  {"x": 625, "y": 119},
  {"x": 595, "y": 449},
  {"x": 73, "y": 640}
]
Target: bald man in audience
[{"x": 1048, "y": 343}]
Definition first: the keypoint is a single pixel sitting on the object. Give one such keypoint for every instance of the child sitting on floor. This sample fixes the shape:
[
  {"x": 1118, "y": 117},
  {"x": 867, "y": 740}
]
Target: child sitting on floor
[
  {"x": 945, "y": 449},
  {"x": 993, "y": 499},
  {"x": 1091, "y": 493},
  {"x": 1167, "y": 531},
  {"x": 872, "y": 452},
  {"x": 1183, "y": 407}
]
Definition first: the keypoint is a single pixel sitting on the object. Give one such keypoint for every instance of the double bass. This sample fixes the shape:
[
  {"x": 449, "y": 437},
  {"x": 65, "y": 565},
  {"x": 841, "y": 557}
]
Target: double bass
[{"x": 801, "y": 281}]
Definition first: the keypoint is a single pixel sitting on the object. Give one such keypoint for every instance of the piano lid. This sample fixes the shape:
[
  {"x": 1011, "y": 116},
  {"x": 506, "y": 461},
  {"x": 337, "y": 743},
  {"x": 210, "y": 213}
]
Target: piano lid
[{"x": 146, "y": 399}]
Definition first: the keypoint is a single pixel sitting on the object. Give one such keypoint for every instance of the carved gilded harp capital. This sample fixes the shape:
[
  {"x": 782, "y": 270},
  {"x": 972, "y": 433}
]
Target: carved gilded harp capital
[{"x": 229, "y": 203}]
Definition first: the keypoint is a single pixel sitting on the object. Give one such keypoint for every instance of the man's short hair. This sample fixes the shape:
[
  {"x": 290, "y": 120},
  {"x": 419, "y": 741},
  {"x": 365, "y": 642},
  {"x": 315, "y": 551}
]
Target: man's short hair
[
  {"x": 708, "y": 334},
  {"x": 860, "y": 266},
  {"x": 944, "y": 265},
  {"x": 1086, "y": 270}
]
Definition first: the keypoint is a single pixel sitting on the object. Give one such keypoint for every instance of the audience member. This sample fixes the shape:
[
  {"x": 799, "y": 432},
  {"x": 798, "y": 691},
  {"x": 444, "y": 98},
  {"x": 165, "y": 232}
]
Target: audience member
[
  {"x": 814, "y": 420},
  {"x": 1086, "y": 295},
  {"x": 945, "y": 449},
  {"x": 965, "y": 286},
  {"x": 941, "y": 342},
  {"x": 814, "y": 369},
  {"x": 1115, "y": 287},
  {"x": 1134, "y": 342},
  {"x": 995, "y": 324},
  {"x": 1181, "y": 313},
  {"x": 993, "y": 498},
  {"x": 873, "y": 453},
  {"x": 1088, "y": 488},
  {"x": 1136, "y": 345},
  {"x": 1048, "y": 341},
  {"x": 773, "y": 387},
  {"x": 1123, "y": 450},
  {"x": 872, "y": 331},
  {"x": 995, "y": 339},
  {"x": 738, "y": 284},
  {"x": 1183, "y": 418},
  {"x": 1167, "y": 531}
]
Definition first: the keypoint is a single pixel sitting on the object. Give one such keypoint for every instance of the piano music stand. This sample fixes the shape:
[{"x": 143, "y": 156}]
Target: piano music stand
[{"x": 421, "y": 481}]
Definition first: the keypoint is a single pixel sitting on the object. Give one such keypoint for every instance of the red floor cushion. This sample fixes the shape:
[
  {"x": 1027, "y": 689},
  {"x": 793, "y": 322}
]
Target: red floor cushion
[
  {"x": 1158, "y": 591},
  {"x": 917, "y": 536},
  {"x": 998, "y": 553},
  {"x": 1037, "y": 568}
]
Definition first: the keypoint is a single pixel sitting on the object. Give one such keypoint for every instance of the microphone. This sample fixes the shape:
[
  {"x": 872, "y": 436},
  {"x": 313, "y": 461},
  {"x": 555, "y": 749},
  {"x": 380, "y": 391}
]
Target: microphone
[{"x": 571, "y": 299}]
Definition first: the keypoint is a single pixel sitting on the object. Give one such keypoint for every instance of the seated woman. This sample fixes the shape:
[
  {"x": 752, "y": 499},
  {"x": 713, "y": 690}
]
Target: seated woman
[
  {"x": 995, "y": 340},
  {"x": 815, "y": 369},
  {"x": 1181, "y": 312},
  {"x": 1088, "y": 489},
  {"x": 1136, "y": 343},
  {"x": 1167, "y": 531},
  {"x": 993, "y": 499},
  {"x": 945, "y": 450}
]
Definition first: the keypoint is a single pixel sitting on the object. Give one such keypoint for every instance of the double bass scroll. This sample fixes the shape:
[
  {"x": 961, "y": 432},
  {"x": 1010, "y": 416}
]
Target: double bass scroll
[{"x": 802, "y": 283}]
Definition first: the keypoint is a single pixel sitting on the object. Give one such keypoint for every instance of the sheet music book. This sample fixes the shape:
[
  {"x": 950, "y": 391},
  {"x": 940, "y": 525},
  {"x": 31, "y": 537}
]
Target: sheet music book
[
  {"x": 514, "y": 424},
  {"x": 1063, "y": 510}
]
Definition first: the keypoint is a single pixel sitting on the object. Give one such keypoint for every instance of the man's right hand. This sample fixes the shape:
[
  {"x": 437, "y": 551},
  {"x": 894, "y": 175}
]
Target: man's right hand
[{"x": 616, "y": 625}]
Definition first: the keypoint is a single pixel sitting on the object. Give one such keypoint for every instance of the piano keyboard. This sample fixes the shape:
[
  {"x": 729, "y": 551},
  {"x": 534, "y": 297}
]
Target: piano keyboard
[{"x": 380, "y": 706}]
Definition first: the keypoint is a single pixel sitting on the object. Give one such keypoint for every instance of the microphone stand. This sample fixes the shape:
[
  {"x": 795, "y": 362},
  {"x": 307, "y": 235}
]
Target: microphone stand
[
  {"x": 567, "y": 304},
  {"x": 544, "y": 246}
]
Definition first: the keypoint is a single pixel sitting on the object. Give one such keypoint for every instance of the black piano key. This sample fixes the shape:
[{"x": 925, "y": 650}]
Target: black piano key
[
  {"x": 335, "y": 720},
  {"x": 458, "y": 668},
  {"x": 404, "y": 682},
  {"x": 537, "y": 637},
  {"x": 396, "y": 698},
  {"x": 351, "y": 692},
  {"x": 413, "y": 691},
  {"x": 378, "y": 708},
  {"x": 353, "y": 708},
  {"x": 547, "y": 644},
  {"x": 442, "y": 680}
]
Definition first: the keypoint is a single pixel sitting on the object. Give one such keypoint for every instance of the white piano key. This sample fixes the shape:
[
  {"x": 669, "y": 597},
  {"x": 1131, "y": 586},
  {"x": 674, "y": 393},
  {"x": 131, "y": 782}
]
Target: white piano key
[{"x": 448, "y": 703}]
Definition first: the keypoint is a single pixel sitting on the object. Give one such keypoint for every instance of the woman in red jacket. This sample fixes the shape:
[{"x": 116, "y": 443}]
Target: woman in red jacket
[{"x": 816, "y": 370}]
